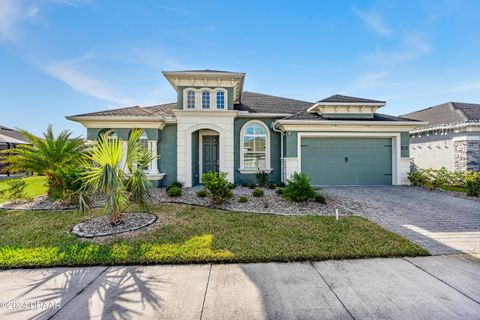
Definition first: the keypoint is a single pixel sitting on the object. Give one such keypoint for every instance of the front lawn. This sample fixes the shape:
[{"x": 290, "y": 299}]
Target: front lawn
[
  {"x": 185, "y": 234},
  {"x": 35, "y": 187},
  {"x": 453, "y": 188}
]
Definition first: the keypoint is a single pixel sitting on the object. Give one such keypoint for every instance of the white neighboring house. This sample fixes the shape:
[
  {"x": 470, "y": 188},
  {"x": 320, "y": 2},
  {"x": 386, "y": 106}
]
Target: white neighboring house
[{"x": 451, "y": 139}]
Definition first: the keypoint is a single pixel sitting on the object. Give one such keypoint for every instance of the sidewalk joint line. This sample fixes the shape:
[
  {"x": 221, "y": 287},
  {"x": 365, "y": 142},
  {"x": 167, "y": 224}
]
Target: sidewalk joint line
[
  {"x": 79, "y": 292},
  {"x": 329, "y": 287},
  {"x": 466, "y": 295},
  {"x": 206, "y": 289}
]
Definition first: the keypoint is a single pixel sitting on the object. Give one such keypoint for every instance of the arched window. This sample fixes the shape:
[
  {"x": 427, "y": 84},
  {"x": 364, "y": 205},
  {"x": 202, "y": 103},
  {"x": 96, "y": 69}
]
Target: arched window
[
  {"x": 220, "y": 100},
  {"x": 111, "y": 134},
  {"x": 191, "y": 99},
  {"x": 255, "y": 146},
  {"x": 144, "y": 140},
  {"x": 205, "y": 100}
]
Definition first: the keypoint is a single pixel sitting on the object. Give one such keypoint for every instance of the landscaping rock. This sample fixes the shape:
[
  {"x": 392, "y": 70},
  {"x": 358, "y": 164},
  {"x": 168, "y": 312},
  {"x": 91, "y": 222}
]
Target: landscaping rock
[{"x": 101, "y": 226}]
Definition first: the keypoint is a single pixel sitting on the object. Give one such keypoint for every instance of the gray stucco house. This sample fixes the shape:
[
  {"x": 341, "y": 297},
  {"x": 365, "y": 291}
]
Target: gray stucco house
[
  {"x": 216, "y": 125},
  {"x": 451, "y": 139}
]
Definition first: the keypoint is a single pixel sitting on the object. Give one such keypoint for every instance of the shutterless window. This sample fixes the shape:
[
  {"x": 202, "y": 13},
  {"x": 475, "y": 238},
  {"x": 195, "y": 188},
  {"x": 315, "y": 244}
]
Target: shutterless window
[
  {"x": 205, "y": 100},
  {"x": 255, "y": 147},
  {"x": 191, "y": 100},
  {"x": 220, "y": 100}
]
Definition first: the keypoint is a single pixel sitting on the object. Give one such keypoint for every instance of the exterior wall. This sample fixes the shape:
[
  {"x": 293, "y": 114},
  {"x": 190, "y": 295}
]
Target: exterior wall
[
  {"x": 454, "y": 151},
  {"x": 275, "y": 152},
  {"x": 180, "y": 90},
  {"x": 167, "y": 154}
]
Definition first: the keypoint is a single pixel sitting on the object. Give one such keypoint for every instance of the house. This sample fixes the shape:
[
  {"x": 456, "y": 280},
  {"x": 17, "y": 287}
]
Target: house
[
  {"x": 10, "y": 139},
  {"x": 451, "y": 139},
  {"x": 216, "y": 125}
]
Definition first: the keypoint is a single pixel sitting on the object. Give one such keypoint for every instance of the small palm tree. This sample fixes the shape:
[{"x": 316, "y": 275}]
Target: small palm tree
[
  {"x": 45, "y": 156},
  {"x": 117, "y": 173}
]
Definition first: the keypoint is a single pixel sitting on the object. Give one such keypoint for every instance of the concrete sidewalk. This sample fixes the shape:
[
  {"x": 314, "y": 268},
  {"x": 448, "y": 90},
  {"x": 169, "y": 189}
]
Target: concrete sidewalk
[{"x": 440, "y": 287}]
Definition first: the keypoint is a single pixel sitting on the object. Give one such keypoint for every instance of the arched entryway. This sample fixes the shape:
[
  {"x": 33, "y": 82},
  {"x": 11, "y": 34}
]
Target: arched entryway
[{"x": 205, "y": 153}]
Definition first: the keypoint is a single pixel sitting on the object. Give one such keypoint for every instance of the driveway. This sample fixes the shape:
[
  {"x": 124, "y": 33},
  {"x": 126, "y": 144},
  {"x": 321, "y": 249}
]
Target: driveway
[
  {"x": 439, "y": 222},
  {"x": 438, "y": 287}
]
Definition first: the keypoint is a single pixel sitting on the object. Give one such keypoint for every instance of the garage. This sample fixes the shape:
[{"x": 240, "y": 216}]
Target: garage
[{"x": 347, "y": 161}]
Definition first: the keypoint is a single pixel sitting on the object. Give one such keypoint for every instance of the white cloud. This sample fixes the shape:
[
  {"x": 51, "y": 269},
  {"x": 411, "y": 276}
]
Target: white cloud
[
  {"x": 373, "y": 20},
  {"x": 73, "y": 74},
  {"x": 370, "y": 80},
  {"x": 413, "y": 46},
  {"x": 10, "y": 15}
]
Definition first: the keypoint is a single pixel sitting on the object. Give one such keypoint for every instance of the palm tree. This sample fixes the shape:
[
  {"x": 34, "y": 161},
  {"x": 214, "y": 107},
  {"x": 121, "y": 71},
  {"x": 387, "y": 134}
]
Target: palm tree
[
  {"x": 46, "y": 156},
  {"x": 117, "y": 173}
]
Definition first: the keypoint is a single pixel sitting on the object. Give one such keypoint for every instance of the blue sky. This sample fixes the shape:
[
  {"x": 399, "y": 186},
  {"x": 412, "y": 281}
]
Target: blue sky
[{"x": 64, "y": 57}]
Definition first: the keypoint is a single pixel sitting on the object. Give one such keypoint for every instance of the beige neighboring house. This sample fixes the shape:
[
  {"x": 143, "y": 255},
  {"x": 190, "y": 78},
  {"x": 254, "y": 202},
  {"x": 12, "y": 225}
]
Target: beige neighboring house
[{"x": 451, "y": 139}]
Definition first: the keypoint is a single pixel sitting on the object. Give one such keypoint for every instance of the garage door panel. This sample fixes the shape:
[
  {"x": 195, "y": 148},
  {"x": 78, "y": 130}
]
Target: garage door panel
[{"x": 347, "y": 161}]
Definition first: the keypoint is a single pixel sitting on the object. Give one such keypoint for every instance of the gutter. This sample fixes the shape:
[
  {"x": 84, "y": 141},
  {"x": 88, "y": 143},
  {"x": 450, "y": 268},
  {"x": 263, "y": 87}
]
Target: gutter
[
  {"x": 336, "y": 122},
  {"x": 457, "y": 125}
]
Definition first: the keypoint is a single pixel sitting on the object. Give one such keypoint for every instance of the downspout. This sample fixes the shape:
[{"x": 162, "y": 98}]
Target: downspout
[{"x": 282, "y": 162}]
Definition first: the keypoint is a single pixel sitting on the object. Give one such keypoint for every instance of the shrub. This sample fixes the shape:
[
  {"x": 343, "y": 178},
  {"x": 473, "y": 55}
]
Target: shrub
[
  {"x": 258, "y": 193},
  {"x": 231, "y": 186},
  {"x": 298, "y": 189},
  {"x": 472, "y": 183},
  {"x": 16, "y": 189},
  {"x": 175, "y": 185},
  {"x": 281, "y": 184},
  {"x": 272, "y": 186},
  {"x": 417, "y": 178},
  {"x": 262, "y": 178},
  {"x": 252, "y": 186},
  {"x": 245, "y": 185},
  {"x": 279, "y": 191},
  {"x": 320, "y": 198},
  {"x": 202, "y": 193},
  {"x": 174, "y": 192},
  {"x": 68, "y": 184},
  {"x": 243, "y": 199},
  {"x": 436, "y": 178},
  {"x": 218, "y": 185}
]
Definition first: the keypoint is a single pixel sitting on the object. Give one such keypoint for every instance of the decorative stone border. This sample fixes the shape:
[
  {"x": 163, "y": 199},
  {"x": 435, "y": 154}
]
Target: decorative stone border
[{"x": 131, "y": 222}]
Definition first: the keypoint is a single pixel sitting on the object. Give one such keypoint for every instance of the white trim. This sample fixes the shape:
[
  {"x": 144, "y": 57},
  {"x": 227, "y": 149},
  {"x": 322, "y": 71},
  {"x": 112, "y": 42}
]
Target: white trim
[
  {"x": 352, "y": 122},
  {"x": 251, "y": 171},
  {"x": 343, "y": 104},
  {"x": 206, "y": 113},
  {"x": 267, "y": 147},
  {"x": 246, "y": 114},
  {"x": 396, "y": 146}
]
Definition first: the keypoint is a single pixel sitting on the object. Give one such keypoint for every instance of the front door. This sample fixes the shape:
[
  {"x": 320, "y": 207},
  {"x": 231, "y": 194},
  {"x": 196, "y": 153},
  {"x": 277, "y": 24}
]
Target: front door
[{"x": 210, "y": 155}]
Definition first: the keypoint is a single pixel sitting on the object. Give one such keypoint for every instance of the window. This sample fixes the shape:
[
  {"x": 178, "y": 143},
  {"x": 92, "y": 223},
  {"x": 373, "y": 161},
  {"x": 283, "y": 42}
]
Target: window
[
  {"x": 255, "y": 146},
  {"x": 220, "y": 100},
  {"x": 144, "y": 140},
  {"x": 205, "y": 100},
  {"x": 111, "y": 134},
  {"x": 191, "y": 99}
]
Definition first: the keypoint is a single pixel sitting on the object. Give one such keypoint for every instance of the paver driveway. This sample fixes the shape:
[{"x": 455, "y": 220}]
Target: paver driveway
[{"x": 441, "y": 223}]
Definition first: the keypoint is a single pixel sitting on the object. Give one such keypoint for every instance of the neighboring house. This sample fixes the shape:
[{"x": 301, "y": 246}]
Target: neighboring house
[
  {"x": 451, "y": 139},
  {"x": 9, "y": 139},
  {"x": 215, "y": 125}
]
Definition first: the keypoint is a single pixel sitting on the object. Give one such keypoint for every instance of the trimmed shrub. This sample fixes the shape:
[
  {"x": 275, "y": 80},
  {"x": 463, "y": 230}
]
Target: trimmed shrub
[
  {"x": 279, "y": 191},
  {"x": 243, "y": 199},
  {"x": 472, "y": 183},
  {"x": 173, "y": 191},
  {"x": 202, "y": 193},
  {"x": 436, "y": 178},
  {"x": 320, "y": 198},
  {"x": 175, "y": 185},
  {"x": 231, "y": 186},
  {"x": 272, "y": 186},
  {"x": 252, "y": 186},
  {"x": 218, "y": 185},
  {"x": 245, "y": 185},
  {"x": 281, "y": 184},
  {"x": 258, "y": 193},
  {"x": 262, "y": 179},
  {"x": 298, "y": 189}
]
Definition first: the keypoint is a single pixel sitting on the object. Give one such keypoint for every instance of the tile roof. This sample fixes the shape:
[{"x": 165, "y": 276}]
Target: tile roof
[
  {"x": 7, "y": 133},
  {"x": 135, "y": 111},
  {"x": 343, "y": 99},
  {"x": 447, "y": 113},
  {"x": 305, "y": 115},
  {"x": 264, "y": 103}
]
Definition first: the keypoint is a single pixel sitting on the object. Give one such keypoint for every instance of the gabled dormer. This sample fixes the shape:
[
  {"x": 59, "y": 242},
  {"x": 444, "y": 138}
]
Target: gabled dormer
[
  {"x": 345, "y": 107},
  {"x": 203, "y": 90}
]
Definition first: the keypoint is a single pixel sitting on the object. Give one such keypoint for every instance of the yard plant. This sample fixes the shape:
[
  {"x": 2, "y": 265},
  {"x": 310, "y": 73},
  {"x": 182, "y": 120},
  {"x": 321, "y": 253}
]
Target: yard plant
[
  {"x": 122, "y": 182},
  {"x": 218, "y": 186},
  {"x": 49, "y": 156},
  {"x": 472, "y": 183},
  {"x": 298, "y": 189}
]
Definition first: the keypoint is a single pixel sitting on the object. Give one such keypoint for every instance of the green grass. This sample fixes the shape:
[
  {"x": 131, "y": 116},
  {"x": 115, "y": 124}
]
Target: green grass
[
  {"x": 35, "y": 187},
  {"x": 185, "y": 234},
  {"x": 453, "y": 188}
]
